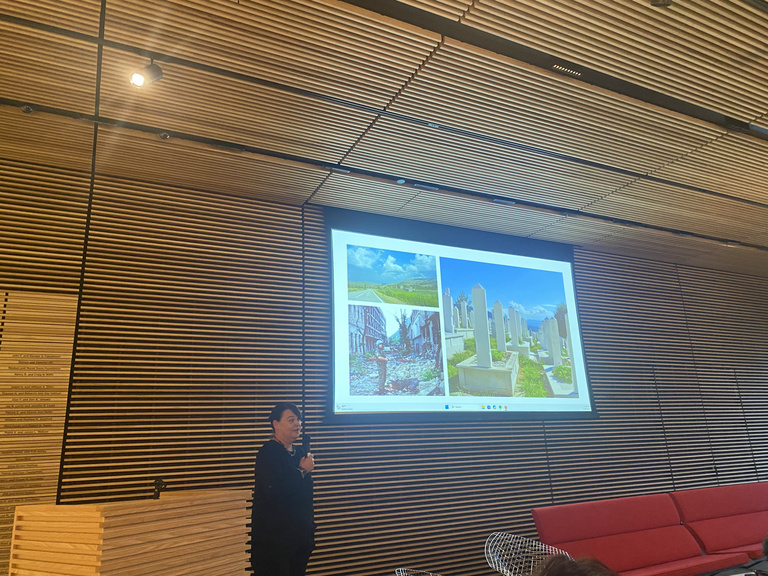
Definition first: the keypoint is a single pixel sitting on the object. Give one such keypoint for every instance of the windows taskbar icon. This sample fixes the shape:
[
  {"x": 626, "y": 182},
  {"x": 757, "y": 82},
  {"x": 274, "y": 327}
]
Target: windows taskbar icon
[{"x": 482, "y": 406}]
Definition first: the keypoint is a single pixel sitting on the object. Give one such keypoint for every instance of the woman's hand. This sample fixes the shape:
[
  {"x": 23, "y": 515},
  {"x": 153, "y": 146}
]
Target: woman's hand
[{"x": 307, "y": 463}]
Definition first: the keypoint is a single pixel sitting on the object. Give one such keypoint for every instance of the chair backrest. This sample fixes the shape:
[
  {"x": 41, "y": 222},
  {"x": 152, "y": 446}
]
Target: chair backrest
[
  {"x": 412, "y": 572},
  {"x": 514, "y": 555}
]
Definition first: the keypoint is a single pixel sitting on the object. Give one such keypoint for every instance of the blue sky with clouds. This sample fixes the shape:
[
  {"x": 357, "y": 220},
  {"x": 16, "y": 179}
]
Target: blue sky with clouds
[
  {"x": 533, "y": 293},
  {"x": 387, "y": 266}
]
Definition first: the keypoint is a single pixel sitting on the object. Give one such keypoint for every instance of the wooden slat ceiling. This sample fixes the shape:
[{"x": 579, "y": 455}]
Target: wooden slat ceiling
[
  {"x": 659, "y": 150},
  {"x": 474, "y": 90},
  {"x": 665, "y": 205},
  {"x": 419, "y": 153},
  {"x": 47, "y": 69},
  {"x": 46, "y": 139},
  {"x": 709, "y": 53},
  {"x": 387, "y": 198},
  {"x": 328, "y": 47},
  {"x": 233, "y": 110},
  {"x": 145, "y": 156},
  {"x": 77, "y": 15},
  {"x": 734, "y": 165}
]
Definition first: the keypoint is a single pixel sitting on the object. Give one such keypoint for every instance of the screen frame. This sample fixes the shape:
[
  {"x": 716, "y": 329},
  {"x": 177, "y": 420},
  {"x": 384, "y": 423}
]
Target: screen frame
[{"x": 450, "y": 236}]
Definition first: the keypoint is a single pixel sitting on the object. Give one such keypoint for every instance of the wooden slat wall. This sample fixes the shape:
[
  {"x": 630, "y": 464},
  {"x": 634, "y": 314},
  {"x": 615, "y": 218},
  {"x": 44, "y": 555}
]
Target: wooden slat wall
[
  {"x": 199, "y": 311},
  {"x": 190, "y": 326},
  {"x": 42, "y": 223}
]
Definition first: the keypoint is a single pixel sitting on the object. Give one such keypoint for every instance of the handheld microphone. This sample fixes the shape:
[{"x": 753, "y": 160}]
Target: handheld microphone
[{"x": 305, "y": 443}]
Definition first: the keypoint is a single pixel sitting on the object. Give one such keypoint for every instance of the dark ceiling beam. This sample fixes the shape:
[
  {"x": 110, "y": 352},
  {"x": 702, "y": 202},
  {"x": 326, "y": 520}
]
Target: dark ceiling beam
[
  {"x": 502, "y": 46},
  {"x": 761, "y": 5}
]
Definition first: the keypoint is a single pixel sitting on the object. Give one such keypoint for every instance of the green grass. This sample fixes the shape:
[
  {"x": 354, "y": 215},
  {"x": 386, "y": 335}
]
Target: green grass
[
  {"x": 530, "y": 379},
  {"x": 563, "y": 373}
]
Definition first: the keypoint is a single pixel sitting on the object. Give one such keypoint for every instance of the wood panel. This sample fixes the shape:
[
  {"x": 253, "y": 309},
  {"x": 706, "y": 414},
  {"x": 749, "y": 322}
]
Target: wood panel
[
  {"x": 717, "y": 67},
  {"x": 42, "y": 139},
  {"x": 419, "y": 153},
  {"x": 148, "y": 157},
  {"x": 407, "y": 201},
  {"x": 233, "y": 110},
  {"x": 42, "y": 220},
  {"x": 726, "y": 318},
  {"x": 78, "y": 15},
  {"x": 200, "y": 310},
  {"x": 203, "y": 278},
  {"x": 200, "y": 532},
  {"x": 190, "y": 324},
  {"x": 306, "y": 81},
  {"x": 735, "y": 164},
  {"x": 464, "y": 87},
  {"x": 662, "y": 204},
  {"x": 319, "y": 45},
  {"x": 36, "y": 333},
  {"x": 47, "y": 68}
]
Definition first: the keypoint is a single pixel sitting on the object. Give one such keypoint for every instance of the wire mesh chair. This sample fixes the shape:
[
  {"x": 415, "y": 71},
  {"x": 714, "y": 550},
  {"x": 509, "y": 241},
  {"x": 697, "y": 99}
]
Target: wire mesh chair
[
  {"x": 514, "y": 555},
  {"x": 411, "y": 572}
]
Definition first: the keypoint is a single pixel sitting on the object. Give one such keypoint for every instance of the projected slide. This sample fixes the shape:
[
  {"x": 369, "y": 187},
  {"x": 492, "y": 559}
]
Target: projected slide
[{"x": 422, "y": 327}]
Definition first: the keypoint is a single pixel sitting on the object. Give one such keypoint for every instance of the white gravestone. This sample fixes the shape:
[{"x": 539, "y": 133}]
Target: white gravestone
[
  {"x": 498, "y": 324},
  {"x": 480, "y": 324}
]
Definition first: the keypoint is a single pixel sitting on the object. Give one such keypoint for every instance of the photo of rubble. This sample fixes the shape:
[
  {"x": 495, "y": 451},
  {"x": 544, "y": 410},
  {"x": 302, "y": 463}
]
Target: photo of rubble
[{"x": 395, "y": 351}]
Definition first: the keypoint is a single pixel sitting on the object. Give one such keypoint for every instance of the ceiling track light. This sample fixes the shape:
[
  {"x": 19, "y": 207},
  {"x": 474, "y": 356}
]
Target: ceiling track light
[{"x": 146, "y": 75}]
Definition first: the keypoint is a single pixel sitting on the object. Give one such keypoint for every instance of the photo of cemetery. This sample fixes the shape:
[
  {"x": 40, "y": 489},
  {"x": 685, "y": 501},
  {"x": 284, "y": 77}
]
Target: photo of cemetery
[
  {"x": 386, "y": 276},
  {"x": 395, "y": 351},
  {"x": 506, "y": 331}
]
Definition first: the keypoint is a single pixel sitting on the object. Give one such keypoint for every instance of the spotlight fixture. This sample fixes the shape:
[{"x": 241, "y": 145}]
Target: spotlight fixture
[
  {"x": 663, "y": 3},
  {"x": 146, "y": 75}
]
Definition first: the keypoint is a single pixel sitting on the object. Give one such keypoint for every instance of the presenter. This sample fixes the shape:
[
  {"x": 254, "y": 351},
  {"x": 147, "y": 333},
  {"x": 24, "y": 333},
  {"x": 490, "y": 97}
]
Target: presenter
[{"x": 282, "y": 525}]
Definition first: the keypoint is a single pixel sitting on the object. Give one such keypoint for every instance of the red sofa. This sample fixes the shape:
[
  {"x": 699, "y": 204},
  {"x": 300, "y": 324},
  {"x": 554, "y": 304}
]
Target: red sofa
[
  {"x": 726, "y": 518},
  {"x": 636, "y": 536}
]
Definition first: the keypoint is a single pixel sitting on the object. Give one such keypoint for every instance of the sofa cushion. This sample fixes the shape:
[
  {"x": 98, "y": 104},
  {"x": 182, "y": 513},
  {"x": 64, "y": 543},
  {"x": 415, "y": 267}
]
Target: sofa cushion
[
  {"x": 720, "y": 501},
  {"x": 726, "y": 518},
  {"x": 584, "y": 520},
  {"x": 631, "y": 550},
  {"x": 718, "y": 534},
  {"x": 751, "y": 550}
]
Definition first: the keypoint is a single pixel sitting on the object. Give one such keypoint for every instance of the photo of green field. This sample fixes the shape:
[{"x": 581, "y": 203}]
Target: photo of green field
[{"x": 391, "y": 277}]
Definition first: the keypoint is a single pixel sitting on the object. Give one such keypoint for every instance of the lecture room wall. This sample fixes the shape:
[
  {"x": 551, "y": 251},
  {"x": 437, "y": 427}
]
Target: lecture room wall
[{"x": 195, "y": 312}]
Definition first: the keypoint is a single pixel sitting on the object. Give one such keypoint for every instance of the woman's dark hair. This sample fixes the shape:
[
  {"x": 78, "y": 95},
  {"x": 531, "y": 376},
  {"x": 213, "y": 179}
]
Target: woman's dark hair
[
  {"x": 562, "y": 565},
  {"x": 277, "y": 411},
  {"x": 558, "y": 565}
]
